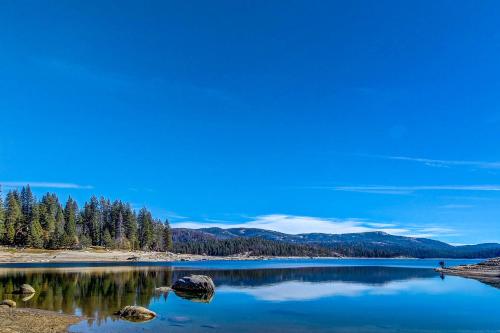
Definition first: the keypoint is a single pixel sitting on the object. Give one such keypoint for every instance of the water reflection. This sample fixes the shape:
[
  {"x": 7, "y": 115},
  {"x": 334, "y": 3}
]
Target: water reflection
[
  {"x": 320, "y": 299},
  {"x": 98, "y": 292}
]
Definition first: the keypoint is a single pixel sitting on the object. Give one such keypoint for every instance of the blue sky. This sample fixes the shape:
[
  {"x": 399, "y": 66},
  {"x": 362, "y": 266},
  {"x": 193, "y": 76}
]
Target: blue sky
[{"x": 334, "y": 116}]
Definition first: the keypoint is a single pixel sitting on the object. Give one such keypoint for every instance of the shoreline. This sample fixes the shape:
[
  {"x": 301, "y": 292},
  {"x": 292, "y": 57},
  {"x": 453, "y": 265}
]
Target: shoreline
[
  {"x": 43, "y": 256},
  {"x": 35, "y": 256},
  {"x": 487, "y": 271},
  {"x": 27, "y": 320}
]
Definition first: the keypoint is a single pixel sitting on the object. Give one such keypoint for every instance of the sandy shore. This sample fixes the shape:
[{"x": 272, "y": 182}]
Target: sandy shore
[
  {"x": 35, "y": 321},
  {"x": 11, "y": 255}
]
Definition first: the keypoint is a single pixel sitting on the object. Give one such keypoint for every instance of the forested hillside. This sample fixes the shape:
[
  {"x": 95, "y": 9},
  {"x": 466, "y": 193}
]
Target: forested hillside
[
  {"x": 47, "y": 223},
  {"x": 253, "y": 246},
  {"x": 368, "y": 244}
]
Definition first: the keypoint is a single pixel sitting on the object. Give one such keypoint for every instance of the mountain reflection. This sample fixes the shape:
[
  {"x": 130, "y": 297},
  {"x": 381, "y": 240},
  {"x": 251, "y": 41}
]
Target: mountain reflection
[{"x": 97, "y": 292}]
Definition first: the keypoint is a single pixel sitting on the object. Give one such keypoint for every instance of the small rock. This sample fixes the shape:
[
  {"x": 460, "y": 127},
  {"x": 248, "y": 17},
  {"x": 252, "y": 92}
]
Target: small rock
[
  {"x": 135, "y": 313},
  {"x": 195, "y": 284},
  {"x": 25, "y": 289},
  {"x": 27, "y": 297},
  {"x": 162, "y": 289},
  {"x": 9, "y": 303}
]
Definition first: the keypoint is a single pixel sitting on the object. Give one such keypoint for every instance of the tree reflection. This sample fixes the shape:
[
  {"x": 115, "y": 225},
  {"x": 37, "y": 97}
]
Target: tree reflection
[
  {"x": 97, "y": 292},
  {"x": 92, "y": 293}
]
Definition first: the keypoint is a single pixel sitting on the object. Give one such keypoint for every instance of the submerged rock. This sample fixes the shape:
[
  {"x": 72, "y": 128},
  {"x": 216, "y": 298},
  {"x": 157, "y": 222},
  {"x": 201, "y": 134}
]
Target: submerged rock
[
  {"x": 25, "y": 289},
  {"x": 195, "y": 297},
  {"x": 162, "y": 289},
  {"x": 9, "y": 303},
  {"x": 135, "y": 313},
  {"x": 195, "y": 284}
]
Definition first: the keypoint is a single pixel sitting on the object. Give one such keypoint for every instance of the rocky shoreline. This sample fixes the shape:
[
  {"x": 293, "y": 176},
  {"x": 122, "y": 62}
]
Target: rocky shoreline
[
  {"x": 14, "y": 255},
  {"x": 487, "y": 271},
  {"x": 23, "y": 320}
]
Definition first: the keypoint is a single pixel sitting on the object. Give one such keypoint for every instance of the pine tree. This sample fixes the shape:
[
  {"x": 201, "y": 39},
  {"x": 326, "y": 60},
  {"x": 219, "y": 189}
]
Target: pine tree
[
  {"x": 48, "y": 211},
  {"x": 105, "y": 217},
  {"x": 28, "y": 201},
  {"x": 13, "y": 217},
  {"x": 70, "y": 218},
  {"x": 167, "y": 236},
  {"x": 145, "y": 224},
  {"x": 2, "y": 219},
  {"x": 92, "y": 220},
  {"x": 130, "y": 226},
  {"x": 36, "y": 231},
  {"x": 107, "y": 239},
  {"x": 57, "y": 240}
]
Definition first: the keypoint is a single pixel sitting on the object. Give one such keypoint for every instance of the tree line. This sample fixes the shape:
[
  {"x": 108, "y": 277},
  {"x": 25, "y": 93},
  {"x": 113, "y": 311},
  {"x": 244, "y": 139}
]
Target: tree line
[
  {"x": 253, "y": 246},
  {"x": 47, "y": 223}
]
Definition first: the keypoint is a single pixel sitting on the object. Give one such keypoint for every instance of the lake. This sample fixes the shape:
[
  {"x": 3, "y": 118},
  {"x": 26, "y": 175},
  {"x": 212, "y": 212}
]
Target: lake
[{"x": 320, "y": 295}]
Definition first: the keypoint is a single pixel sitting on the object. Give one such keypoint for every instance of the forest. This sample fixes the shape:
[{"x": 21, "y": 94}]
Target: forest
[
  {"x": 254, "y": 246},
  {"x": 47, "y": 223}
]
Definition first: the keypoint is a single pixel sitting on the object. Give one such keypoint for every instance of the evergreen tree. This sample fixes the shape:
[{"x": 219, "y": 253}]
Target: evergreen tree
[
  {"x": 145, "y": 224},
  {"x": 92, "y": 221},
  {"x": 36, "y": 232},
  {"x": 2, "y": 219},
  {"x": 105, "y": 217},
  {"x": 13, "y": 217},
  {"x": 57, "y": 239},
  {"x": 28, "y": 202},
  {"x": 107, "y": 239},
  {"x": 167, "y": 236},
  {"x": 48, "y": 210},
  {"x": 130, "y": 226},
  {"x": 70, "y": 217}
]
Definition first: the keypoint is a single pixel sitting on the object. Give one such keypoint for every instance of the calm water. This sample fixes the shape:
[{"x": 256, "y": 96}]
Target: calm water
[{"x": 267, "y": 296}]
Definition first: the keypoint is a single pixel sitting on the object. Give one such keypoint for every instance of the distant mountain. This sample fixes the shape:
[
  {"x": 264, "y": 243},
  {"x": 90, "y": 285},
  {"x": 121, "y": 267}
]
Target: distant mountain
[{"x": 367, "y": 244}]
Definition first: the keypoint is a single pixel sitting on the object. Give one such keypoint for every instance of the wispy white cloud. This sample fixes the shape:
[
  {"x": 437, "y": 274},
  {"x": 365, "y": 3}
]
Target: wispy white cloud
[
  {"x": 444, "y": 163},
  {"x": 384, "y": 189},
  {"x": 12, "y": 184},
  {"x": 292, "y": 224}
]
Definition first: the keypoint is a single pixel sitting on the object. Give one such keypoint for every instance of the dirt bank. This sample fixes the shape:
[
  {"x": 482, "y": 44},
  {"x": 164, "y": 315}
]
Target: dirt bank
[{"x": 12, "y": 255}]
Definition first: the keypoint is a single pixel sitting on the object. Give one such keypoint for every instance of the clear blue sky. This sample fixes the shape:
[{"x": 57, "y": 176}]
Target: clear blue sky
[{"x": 330, "y": 116}]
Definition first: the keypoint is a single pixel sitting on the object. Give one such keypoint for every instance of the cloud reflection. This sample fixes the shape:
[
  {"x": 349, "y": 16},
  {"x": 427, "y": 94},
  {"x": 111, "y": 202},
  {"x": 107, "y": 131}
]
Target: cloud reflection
[{"x": 306, "y": 291}]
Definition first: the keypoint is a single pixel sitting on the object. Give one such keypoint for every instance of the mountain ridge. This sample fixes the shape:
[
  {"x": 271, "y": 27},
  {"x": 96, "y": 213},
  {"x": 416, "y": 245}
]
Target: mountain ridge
[{"x": 365, "y": 244}]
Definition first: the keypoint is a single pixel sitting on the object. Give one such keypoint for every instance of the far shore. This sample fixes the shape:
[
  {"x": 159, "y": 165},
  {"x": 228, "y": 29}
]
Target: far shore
[
  {"x": 27, "y": 255},
  {"x": 10, "y": 255}
]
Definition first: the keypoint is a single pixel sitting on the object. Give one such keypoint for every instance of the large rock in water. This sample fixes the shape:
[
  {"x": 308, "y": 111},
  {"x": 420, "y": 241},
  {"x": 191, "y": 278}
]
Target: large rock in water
[
  {"x": 136, "y": 313},
  {"x": 25, "y": 289},
  {"x": 200, "y": 284}
]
